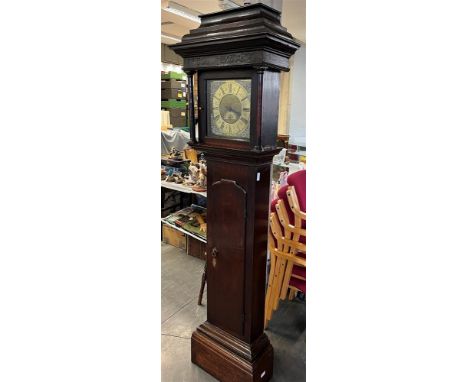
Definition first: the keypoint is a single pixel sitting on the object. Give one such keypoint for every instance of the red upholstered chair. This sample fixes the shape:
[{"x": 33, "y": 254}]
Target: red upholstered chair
[
  {"x": 296, "y": 274},
  {"x": 298, "y": 180},
  {"x": 287, "y": 245}
]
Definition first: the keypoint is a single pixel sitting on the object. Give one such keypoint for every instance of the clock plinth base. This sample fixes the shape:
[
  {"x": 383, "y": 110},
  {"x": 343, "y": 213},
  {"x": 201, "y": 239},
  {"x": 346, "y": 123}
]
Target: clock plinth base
[{"x": 229, "y": 359}]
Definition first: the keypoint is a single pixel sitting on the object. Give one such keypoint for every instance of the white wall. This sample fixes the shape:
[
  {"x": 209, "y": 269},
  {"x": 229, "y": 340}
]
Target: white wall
[
  {"x": 297, "y": 100},
  {"x": 284, "y": 104}
]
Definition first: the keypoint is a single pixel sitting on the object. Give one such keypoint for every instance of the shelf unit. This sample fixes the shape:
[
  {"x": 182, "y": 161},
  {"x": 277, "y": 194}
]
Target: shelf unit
[
  {"x": 181, "y": 188},
  {"x": 192, "y": 249},
  {"x": 183, "y": 230}
]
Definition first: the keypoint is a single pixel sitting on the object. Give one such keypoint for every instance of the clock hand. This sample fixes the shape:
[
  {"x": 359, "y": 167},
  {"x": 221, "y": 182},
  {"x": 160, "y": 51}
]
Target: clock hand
[{"x": 232, "y": 110}]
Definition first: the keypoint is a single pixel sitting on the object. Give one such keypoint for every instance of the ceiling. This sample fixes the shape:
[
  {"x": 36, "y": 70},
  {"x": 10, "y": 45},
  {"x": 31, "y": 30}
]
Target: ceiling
[{"x": 174, "y": 26}]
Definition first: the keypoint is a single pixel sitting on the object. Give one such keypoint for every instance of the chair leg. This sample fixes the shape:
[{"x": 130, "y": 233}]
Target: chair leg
[
  {"x": 292, "y": 294},
  {"x": 278, "y": 283},
  {"x": 274, "y": 283},
  {"x": 287, "y": 276},
  {"x": 271, "y": 277},
  {"x": 267, "y": 312},
  {"x": 202, "y": 286},
  {"x": 269, "y": 287}
]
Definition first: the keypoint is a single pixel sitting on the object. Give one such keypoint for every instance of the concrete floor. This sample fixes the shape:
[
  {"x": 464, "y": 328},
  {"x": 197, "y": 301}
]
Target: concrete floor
[{"x": 180, "y": 278}]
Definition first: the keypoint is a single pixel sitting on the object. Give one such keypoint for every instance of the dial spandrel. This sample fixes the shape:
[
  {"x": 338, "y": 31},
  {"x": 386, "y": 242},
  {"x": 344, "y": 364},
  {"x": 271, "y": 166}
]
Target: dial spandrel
[{"x": 229, "y": 108}]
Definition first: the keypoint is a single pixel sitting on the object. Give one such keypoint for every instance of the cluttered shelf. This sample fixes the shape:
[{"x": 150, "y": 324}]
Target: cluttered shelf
[
  {"x": 182, "y": 169},
  {"x": 190, "y": 220},
  {"x": 186, "y": 229},
  {"x": 182, "y": 230},
  {"x": 183, "y": 193},
  {"x": 181, "y": 188}
]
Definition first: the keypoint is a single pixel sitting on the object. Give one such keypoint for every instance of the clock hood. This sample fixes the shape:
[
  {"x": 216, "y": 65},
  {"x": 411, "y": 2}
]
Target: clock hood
[{"x": 246, "y": 36}]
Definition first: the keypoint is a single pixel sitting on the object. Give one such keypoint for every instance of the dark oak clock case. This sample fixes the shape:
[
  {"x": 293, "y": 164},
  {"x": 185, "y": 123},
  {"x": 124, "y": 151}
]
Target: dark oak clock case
[{"x": 241, "y": 43}]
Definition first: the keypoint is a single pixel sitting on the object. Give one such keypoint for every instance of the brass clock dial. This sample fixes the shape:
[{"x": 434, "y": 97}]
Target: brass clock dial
[{"x": 229, "y": 108}]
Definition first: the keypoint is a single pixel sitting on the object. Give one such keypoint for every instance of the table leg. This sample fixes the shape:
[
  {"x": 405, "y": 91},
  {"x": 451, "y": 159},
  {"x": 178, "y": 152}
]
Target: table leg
[{"x": 203, "y": 283}]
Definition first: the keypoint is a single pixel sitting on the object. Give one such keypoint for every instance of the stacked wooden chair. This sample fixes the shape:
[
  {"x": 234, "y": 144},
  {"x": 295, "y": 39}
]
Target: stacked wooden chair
[{"x": 287, "y": 244}]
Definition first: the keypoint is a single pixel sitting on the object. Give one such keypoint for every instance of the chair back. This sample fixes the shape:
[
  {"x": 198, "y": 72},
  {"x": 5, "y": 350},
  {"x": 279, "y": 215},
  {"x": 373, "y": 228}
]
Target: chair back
[{"x": 286, "y": 243}]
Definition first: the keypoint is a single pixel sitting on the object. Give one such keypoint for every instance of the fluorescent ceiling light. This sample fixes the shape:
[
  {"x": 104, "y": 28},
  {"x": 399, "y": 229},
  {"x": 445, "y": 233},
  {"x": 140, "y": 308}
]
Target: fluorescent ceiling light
[
  {"x": 182, "y": 11},
  {"x": 175, "y": 38}
]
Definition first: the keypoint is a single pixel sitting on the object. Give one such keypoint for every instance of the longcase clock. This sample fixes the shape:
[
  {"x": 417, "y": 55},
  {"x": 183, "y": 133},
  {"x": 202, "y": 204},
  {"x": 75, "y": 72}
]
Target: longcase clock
[{"x": 237, "y": 55}]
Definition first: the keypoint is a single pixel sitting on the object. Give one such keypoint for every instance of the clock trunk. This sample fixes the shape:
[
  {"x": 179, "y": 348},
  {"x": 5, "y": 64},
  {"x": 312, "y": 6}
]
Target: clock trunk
[
  {"x": 238, "y": 196},
  {"x": 237, "y": 200}
]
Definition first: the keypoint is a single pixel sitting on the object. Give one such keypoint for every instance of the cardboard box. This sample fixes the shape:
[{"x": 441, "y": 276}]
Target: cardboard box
[
  {"x": 177, "y": 113},
  {"x": 178, "y": 121},
  {"x": 173, "y": 94},
  {"x": 196, "y": 248},
  {"x": 174, "y": 237},
  {"x": 173, "y": 84},
  {"x": 165, "y": 120}
]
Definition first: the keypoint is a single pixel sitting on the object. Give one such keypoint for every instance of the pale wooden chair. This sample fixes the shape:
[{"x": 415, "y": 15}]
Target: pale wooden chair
[{"x": 287, "y": 253}]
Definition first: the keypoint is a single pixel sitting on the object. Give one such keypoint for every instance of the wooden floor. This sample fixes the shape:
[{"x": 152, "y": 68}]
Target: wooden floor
[{"x": 180, "y": 278}]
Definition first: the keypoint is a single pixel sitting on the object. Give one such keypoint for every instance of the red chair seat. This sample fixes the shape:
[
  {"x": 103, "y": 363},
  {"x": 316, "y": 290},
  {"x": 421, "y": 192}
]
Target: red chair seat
[
  {"x": 299, "y": 284},
  {"x": 299, "y": 271}
]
